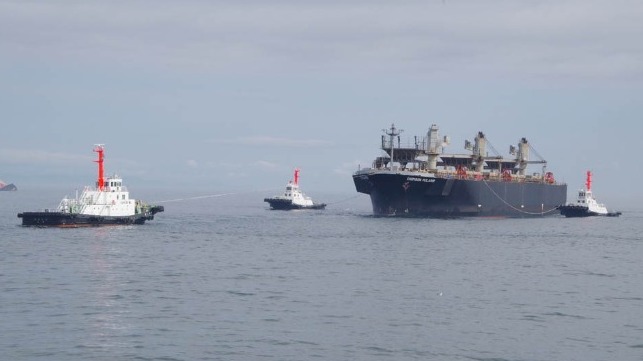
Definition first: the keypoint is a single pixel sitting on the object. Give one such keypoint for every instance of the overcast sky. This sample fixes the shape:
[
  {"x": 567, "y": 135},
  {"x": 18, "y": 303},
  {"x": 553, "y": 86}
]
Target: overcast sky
[{"x": 232, "y": 95}]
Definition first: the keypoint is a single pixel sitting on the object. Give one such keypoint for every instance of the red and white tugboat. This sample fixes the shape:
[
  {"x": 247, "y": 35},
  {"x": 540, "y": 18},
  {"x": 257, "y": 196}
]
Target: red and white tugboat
[
  {"x": 586, "y": 205},
  {"x": 293, "y": 198},
  {"x": 107, "y": 204}
]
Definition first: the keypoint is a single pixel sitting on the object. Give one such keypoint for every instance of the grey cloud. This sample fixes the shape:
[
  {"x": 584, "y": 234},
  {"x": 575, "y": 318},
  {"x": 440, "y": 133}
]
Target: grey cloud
[
  {"x": 276, "y": 142},
  {"x": 570, "y": 38},
  {"x": 18, "y": 156}
]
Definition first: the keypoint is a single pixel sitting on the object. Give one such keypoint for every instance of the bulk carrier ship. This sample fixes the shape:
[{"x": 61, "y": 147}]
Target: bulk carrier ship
[{"x": 422, "y": 181}]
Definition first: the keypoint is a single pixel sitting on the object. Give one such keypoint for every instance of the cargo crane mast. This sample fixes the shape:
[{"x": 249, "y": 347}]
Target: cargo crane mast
[
  {"x": 522, "y": 156},
  {"x": 479, "y": 151},
  {"x": 434, "y": 147}
]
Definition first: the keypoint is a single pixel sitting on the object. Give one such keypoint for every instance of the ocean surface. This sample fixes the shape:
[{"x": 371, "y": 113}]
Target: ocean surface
[{"x": 224, "y": 278}]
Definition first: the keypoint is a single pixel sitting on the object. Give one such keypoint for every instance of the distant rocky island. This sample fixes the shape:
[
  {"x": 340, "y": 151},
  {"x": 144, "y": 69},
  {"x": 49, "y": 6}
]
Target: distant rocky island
[{"x": 7, "y": 187}]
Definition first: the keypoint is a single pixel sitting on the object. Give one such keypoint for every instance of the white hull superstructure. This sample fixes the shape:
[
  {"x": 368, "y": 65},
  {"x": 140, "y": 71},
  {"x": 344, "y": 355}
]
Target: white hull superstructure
[{"x": 112, "y": 201}]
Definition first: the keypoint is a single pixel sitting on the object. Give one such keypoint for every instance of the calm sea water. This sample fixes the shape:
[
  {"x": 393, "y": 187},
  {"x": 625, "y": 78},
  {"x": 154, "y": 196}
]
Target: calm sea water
[{"x": 224, "y": 278}]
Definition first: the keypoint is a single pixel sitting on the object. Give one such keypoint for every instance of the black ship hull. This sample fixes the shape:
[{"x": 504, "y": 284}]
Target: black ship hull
[
  {"x": 286, "y": 204},
  {"x": 423, "y": 195},
  {"x": 574, "y": 211},
  {"x": 73, "y": 220}
]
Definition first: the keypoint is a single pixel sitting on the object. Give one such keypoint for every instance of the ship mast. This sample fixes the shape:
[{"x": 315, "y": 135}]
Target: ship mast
[
  {"x": 588, "y": 182},
  {"x": 392, "y": 133},
  {"x": 296, "y": 176},
  {"x": 100, "y": 183}
]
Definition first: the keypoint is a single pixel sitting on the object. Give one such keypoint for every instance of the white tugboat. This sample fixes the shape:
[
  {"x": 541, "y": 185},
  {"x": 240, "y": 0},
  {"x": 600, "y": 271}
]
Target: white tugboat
[
  {"x": 107, "y": 204},
  {"x": 586, "y": 205},
  {"x": 293, "y": 198}
]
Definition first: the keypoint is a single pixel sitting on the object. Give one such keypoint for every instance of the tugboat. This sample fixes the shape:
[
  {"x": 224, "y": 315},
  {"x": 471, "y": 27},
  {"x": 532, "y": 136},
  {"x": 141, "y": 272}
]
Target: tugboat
[
  {"x": 293, "y": 198},
  {"x": 107, "y": 204},
  {"x": 586, "y": 205}
]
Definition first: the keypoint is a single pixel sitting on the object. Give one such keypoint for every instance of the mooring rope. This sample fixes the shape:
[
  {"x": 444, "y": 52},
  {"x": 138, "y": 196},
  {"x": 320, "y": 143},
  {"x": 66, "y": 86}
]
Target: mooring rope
[
  {"x": 514, "y": 208},
  {"x": 197, "y": 197},
  {"x": 210, "y": 196},
  {"x": 237, "y": 193},
  {"x": 344, "y": 200}
]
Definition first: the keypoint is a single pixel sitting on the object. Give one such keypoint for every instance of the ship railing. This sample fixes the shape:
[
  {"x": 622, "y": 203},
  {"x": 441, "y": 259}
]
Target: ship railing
[
  {"x": 487, "y": 176},
  {"x": 63, "y": 206},
  {"x": 416, "y": 144},
  {"x": 69, "y": 205},
  {"x": 116, "y": 189},
  {"x": 493, "y": 176}
]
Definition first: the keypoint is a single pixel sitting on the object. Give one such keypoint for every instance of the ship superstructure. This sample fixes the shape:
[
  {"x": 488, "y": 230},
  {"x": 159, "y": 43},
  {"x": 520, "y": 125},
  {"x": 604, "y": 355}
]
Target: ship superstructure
[{"x": 423, "y": 180}]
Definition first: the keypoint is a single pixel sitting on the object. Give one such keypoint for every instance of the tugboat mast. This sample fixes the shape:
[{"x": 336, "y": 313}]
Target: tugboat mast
[
  {"x": 100, "y": 183},
  {"x": 393, "y": 132}
]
